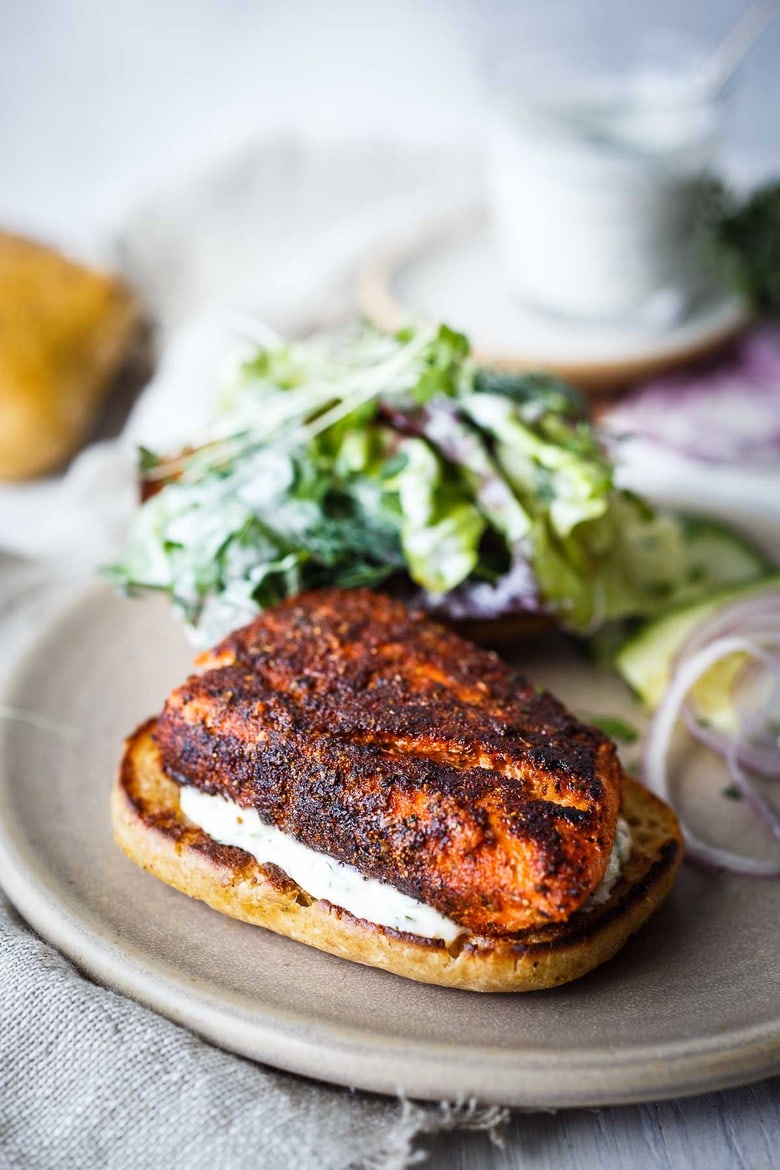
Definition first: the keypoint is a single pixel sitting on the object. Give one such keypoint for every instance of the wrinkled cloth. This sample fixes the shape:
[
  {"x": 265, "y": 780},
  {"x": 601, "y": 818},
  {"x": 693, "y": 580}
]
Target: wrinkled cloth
[{"x": 89, "y": 1079}]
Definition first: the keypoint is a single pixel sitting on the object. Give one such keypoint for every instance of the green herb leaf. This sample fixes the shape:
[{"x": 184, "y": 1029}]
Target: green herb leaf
[
  {"x": 147, "y": 460},
  {"x": 537, "y": 392},
  {"x": 615, "y": 728},
  {"x": 747, "y": 240}
]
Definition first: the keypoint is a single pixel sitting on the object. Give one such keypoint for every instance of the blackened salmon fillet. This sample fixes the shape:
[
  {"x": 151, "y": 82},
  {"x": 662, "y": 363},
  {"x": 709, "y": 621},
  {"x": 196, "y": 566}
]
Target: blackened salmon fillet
[{"x": 386, "y": 741}]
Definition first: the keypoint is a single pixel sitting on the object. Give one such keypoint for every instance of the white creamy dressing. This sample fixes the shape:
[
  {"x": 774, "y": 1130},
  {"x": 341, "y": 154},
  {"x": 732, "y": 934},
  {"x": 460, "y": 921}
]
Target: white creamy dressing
[
  {"x": 594, "y": 208},
  {"x": 316, "y": 873},
  {"x": 342, "y": 885},
  {"x": 621, "y": 851}
]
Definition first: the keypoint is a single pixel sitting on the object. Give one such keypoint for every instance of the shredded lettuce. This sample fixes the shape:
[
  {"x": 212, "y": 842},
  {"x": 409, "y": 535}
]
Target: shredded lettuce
[{"x": 394, "y": 461}]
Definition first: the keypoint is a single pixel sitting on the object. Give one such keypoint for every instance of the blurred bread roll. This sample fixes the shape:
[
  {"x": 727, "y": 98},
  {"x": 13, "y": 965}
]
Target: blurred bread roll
[{"x": 66, "y": 332}]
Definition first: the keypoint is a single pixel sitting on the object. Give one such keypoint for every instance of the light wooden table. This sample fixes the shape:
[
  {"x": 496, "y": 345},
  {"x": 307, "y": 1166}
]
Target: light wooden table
[{"x": 736, "y": 1130}]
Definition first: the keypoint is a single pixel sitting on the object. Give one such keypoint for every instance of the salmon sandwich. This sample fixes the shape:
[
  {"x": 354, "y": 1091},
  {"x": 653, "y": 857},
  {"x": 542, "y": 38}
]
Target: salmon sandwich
[{"x": 354, "y": 776}]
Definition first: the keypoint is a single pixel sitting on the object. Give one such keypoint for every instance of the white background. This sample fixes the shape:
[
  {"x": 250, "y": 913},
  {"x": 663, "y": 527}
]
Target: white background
[{"x": 101, "y": 98}]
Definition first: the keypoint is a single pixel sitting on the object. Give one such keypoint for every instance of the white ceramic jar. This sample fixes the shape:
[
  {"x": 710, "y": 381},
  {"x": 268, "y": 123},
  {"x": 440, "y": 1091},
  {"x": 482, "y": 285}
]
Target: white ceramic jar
[{"x": 595, "y": 157}]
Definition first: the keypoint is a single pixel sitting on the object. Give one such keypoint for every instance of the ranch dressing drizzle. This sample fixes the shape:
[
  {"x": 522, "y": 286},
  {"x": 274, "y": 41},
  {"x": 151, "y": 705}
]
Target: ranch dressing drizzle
[{"x": 316, "y": 873}]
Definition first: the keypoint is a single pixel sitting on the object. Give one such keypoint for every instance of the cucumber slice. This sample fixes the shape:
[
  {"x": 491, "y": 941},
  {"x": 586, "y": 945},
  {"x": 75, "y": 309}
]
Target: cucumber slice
[
  {"x": 645, "y": 660},
  {"x": 716, "y": 555}
]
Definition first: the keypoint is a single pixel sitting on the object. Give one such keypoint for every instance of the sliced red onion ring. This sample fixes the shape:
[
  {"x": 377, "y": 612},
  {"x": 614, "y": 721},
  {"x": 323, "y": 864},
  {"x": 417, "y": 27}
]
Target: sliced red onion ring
[
  {"x": 658, "y": 740},
  {"x": 743, "y": 784},
  {"x": 708, "y": 855},
  {"x": 765, "y": 760},
  {"x": 758, "y": 616},
  {"x": 757, "y": 723},
  {"x": 752, "y": 747}
]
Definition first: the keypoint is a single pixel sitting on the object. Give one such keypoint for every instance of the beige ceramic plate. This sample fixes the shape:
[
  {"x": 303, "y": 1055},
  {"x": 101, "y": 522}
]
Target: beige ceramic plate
[{"x": 692, "y": 1003}]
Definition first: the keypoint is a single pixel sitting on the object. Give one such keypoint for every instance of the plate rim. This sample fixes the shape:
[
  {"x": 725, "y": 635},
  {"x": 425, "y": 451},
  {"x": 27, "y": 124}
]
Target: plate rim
[
  {"x": 335, "y": 1053},
  {"x": 602, "y": 377}
]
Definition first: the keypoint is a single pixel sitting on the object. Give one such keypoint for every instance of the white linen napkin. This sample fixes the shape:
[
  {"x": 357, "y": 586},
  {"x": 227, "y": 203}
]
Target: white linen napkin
[
  {"x": 270, "y": 234},
  {"x": 90, "y": 1079}
]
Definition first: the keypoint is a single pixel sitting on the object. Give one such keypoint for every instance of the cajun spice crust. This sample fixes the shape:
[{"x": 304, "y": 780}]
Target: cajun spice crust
[{"x": 390, "y": 743}]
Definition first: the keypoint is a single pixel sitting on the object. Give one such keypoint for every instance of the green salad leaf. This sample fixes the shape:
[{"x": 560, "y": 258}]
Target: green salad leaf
[
  {"x": 393, "y": 460},
  {"x": 746, "y": 235}
]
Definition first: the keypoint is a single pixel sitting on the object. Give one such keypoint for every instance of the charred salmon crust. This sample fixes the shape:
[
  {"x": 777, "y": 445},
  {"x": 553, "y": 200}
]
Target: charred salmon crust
[
  {"x": 391, "y": 744},
  {"x": 152, "y": 830}
]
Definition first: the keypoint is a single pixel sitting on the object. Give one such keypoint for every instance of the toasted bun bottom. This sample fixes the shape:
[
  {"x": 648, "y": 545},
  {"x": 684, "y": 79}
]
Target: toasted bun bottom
[{"x": 152, "y": 830}]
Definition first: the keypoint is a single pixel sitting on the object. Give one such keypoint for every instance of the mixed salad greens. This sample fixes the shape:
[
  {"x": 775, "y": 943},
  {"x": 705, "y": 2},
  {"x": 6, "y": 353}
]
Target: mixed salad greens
[
  {"x": 746, "y": 243},
  {"x": 395, "y": 461}
]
